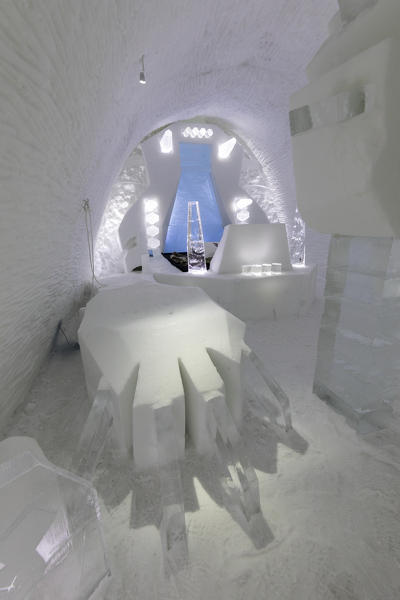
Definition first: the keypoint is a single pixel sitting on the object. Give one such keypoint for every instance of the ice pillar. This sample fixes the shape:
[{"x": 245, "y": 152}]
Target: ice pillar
[
  {"x": 195, "y": 241},
  {"x": 345, "y": 137}
]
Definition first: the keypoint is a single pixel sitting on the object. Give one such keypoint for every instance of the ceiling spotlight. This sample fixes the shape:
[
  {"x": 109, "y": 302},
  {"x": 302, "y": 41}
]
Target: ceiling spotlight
[{"x": 142, "y": 76}]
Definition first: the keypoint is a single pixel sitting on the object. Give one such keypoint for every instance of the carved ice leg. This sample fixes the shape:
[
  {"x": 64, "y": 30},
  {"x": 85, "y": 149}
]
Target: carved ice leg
[
  {"x": 201, "y": 383},
  {"x": 156, "y": 392},
  {"x": 237, "y": 476},
  {"x": 280, "y": 396},
  {"x": 173, "y": 527},
  {"x": 96, "y": 431}
]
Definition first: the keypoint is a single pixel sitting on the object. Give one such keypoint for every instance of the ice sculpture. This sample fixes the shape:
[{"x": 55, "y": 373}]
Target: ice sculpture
[
  {"x": 196, "y": 255},
  {"x": 345, "y": 126},
  {"x": 297, "y": 241},
  {"x": 146, "y": 347},
  {"x": 51, "y": 543},
  {"x": 160, "y": 361}
]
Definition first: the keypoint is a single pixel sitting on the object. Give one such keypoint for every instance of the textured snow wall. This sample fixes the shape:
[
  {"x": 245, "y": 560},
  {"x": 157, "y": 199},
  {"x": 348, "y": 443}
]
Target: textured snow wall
[
  {"x": 128, "y": 188},
  {"x": 72, "y": 110}
]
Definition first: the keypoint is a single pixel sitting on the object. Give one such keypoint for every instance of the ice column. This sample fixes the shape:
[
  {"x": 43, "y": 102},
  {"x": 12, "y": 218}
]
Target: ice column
[
  {"x": 195, "y": 241},
  {"x": 345, "y": 137},
  {"x": 297, "y": 241},
  {"x": 358, "y": 364}
]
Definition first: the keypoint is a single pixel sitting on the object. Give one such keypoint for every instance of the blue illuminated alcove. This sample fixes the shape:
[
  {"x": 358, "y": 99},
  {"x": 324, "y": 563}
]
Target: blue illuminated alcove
[{"x": 195, "y": 183}]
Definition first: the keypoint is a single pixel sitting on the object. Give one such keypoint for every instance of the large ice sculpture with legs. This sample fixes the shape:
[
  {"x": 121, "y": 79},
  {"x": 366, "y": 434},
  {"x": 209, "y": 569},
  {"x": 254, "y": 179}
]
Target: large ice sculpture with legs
[
  {"x": 51, "y": 543},
  {"x": 161, "y": 361},
  {"x": 345, "y": 132},
  {"x": 155, "y": 348}
]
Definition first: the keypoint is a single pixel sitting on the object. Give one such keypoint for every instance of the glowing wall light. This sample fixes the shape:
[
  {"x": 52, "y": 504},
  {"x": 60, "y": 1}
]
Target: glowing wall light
[
  {"x": 240, "y": 206},
  {"x": 242, "y": 203},
  {"x": 150, "y": 205},
  {"x": 166, "y": 143},
  {"x": 153, "y": 243},
  {"x": 151, "y": 217},
  {"x": 225, "y": 149},
  {"x": 243, "y": 216},
  {"x": 152, "y": 231}
]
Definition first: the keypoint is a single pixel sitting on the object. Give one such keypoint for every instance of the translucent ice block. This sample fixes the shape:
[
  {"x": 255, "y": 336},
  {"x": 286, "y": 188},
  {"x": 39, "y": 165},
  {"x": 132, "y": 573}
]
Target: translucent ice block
[
  {"x": 358, "y": 361},
  {"x": 51, "y": 542}
]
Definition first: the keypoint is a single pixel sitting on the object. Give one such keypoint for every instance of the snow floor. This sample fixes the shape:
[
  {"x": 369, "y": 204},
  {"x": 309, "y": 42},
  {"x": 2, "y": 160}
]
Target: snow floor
[{"x": 330, "y": 498}]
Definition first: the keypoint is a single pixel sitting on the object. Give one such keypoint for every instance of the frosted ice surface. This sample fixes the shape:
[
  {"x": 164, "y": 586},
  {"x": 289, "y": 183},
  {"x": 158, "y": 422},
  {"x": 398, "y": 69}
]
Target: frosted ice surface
[
  {"x": 283, "y": 415},
  {"x": 134, "y": 338},
  {"x": 94, "y": 436},
  {"x": 357, "y": 368},
  {"x": 350, "y": 9},
  {"x": 173, "y": 526},
  {"x": 51, "y": 543},
  {"x": 238, "y": 478}
]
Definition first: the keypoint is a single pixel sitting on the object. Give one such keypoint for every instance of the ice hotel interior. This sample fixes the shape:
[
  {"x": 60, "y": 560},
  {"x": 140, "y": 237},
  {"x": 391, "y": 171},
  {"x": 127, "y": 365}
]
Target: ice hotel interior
[{"x": 199, "y": 299}]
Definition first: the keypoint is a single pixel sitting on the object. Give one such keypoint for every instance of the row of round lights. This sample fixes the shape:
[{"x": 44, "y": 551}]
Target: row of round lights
[
  {"x": 151, "y": 217},
  {"x": 195, "y": 132}
]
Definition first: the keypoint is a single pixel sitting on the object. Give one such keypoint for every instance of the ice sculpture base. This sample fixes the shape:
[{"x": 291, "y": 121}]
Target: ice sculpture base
[{"x": 268, "y": 296}]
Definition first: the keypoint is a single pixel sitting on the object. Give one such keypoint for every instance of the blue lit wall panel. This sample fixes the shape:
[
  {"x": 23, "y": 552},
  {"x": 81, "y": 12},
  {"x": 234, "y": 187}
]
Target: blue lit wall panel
[{"x": 195, "y": 184}]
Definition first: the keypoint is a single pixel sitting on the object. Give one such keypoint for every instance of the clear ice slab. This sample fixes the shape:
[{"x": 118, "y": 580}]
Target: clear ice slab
[
  {"x": 358, "y": 359},
  {"x": 51, "y": 541}
]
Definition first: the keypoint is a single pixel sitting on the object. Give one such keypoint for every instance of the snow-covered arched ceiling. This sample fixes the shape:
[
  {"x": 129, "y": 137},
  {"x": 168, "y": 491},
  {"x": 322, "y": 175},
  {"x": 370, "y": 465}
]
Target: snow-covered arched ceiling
[{"x": 72, "y": 110}]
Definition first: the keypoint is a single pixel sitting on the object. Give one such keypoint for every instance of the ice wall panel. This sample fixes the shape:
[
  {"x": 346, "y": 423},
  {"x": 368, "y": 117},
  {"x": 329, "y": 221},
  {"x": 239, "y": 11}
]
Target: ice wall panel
[{"x": 358, "y": 360}]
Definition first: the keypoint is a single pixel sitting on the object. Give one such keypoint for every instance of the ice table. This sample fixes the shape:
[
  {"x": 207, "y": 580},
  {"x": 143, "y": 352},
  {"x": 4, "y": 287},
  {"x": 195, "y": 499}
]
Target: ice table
[{"x": 269, "y": 295}]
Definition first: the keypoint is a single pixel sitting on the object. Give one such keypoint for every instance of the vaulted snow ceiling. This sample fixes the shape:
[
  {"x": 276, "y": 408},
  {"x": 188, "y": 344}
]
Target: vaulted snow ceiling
[{"x": 72, "y": 110}]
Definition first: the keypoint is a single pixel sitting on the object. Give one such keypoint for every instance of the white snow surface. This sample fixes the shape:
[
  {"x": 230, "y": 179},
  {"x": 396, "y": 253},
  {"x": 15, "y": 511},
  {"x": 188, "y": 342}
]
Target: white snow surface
[
  {"x": 331, "y": 499},
  {"x": 72, "y": 110}
]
